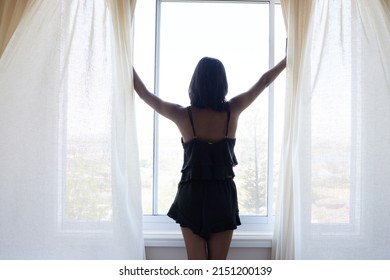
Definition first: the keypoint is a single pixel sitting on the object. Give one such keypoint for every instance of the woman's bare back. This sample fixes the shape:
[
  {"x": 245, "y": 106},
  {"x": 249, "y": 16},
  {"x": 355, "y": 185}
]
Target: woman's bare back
[{"x": 209, "y": 125}]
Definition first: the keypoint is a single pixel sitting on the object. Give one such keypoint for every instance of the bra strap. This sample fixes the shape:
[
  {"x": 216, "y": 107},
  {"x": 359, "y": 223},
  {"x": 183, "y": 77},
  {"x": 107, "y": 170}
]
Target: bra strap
[
  {"x": 228, "y": 120},
  {"x": 192, "y": 122}
]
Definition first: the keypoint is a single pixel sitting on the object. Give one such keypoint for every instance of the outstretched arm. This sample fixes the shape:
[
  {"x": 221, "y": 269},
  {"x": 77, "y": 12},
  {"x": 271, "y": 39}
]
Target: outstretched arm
[
  {"x": 240, "y": 102},
  {"x": 169, "y": 110}
]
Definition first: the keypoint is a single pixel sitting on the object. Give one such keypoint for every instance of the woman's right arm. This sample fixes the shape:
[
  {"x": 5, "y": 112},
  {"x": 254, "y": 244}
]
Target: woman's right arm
[{"x": 169, "y": 110}]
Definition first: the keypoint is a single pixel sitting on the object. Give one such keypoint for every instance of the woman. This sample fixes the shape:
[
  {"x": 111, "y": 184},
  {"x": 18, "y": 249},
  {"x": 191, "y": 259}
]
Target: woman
[{"x": 206, "y": 201}]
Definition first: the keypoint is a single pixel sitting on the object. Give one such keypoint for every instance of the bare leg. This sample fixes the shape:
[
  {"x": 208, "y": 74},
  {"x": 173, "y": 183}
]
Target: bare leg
[
  {"x": 195, "y": 245},
  {"x": 219, "y": 244}
]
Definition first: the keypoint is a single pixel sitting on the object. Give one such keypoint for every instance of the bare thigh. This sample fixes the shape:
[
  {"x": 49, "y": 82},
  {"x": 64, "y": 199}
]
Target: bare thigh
[
  {"x": 218, "y": 245},
  {"x": 195, "y": 245}
]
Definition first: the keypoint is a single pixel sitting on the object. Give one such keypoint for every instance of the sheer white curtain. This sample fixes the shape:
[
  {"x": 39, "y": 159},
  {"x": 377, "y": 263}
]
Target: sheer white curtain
[
  {"x": 69, "y": 178},
  {"x": 335, "y": 187}
]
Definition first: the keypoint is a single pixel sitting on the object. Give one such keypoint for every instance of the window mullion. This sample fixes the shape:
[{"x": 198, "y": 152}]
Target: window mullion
[
  {"x": 156, "y": 117},
  {"x": 271, "y": 105}
]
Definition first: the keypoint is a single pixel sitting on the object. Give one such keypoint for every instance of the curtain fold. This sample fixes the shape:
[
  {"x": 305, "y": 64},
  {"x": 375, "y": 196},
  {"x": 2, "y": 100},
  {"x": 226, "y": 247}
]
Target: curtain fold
[
  {"x": 124, "y": 132},
  {"x": 11, "y": 11},
  {"x": 69, "y": 177},
  {"x": 335, "y": 188},
  {"x": 298, "y": 18}
]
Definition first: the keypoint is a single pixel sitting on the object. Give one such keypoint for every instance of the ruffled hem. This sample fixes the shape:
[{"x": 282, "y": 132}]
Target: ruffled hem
[
  {"x": 207, "y": 173},
  {"x": 203, "y": 231},
  {"x": 203, "y": 161}
]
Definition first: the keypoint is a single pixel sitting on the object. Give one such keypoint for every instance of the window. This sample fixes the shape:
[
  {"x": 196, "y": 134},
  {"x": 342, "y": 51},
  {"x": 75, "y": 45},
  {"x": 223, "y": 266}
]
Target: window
[
  {"x": 85, "y": 110},
  {"x": 335, "y": 149},
  {"x": 247, "y": 36}
]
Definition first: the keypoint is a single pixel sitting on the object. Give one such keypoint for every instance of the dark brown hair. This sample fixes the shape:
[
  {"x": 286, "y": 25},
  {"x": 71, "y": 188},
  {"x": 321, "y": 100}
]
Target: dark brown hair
[{"x": 209, "y": 86}]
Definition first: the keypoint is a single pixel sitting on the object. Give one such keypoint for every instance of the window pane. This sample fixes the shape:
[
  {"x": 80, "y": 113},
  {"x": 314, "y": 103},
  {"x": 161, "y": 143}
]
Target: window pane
[
  {"x": 86, "y": 124},
  {"x": 144, "y": 47},
  {"x": 331, "y": 145},
  {"x": 238, "y": 35}
]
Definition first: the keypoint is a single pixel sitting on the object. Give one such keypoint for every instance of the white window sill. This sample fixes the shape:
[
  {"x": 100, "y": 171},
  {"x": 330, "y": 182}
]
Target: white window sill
[
  {"x": 255, "y": 232},
  {"x": 240, "y": 239}
]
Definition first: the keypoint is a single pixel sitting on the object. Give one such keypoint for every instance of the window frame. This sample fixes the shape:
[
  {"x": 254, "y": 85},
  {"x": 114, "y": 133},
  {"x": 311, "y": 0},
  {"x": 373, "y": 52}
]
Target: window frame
[{"x": 158, "y": 227}]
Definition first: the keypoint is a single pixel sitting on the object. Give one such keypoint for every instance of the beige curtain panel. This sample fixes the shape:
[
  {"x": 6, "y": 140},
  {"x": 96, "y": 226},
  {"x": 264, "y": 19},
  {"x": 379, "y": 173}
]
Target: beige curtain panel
[{"x": 11, "y": 12}]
